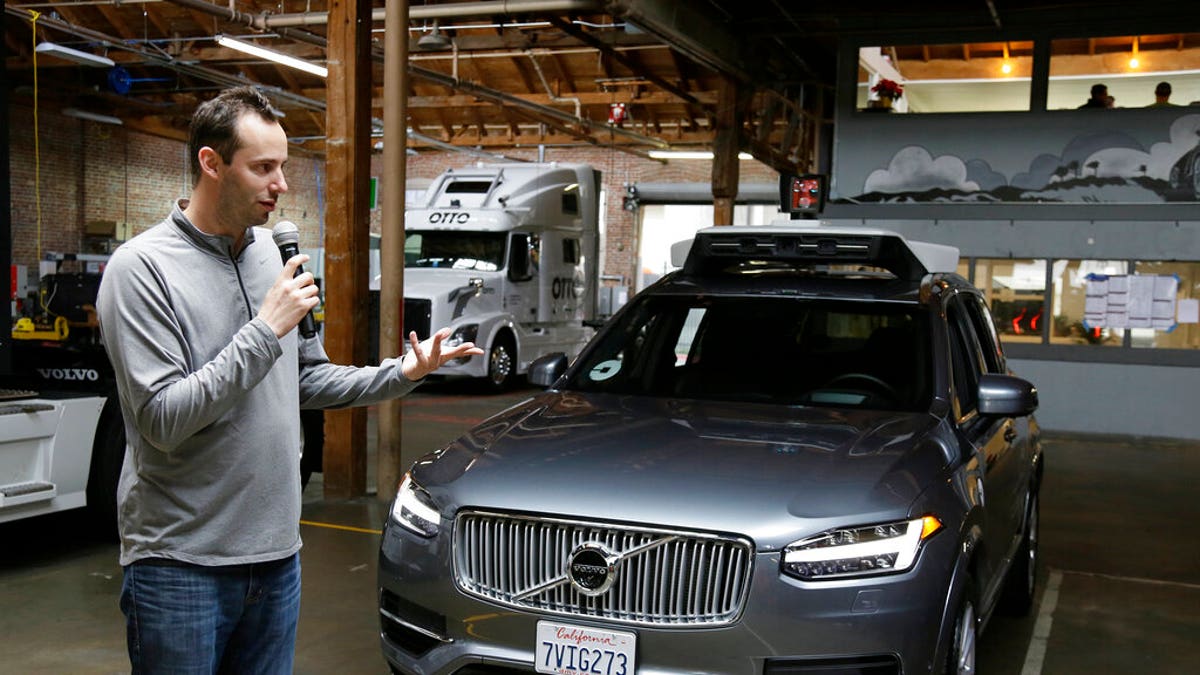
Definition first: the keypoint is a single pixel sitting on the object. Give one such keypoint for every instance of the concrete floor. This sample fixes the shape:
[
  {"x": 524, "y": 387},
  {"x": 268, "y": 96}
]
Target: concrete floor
[{"x": 1120, "y": 574}]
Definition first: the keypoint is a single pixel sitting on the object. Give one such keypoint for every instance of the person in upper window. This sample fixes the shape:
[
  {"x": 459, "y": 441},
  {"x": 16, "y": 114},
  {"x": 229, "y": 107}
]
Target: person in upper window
[
  {"x": 1099, "y": 99},
  {"x": 1162, "y": 94}
]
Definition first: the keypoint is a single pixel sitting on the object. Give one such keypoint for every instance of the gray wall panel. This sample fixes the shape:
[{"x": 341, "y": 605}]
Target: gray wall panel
[{"x": 1115, "y": 398}]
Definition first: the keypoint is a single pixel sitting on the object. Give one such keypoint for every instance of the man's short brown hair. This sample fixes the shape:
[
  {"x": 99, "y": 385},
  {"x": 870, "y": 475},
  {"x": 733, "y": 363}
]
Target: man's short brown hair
[{"x": 214, "y": 124}]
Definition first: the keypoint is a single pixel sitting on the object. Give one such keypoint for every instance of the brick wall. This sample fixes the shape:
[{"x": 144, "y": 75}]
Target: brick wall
[{"x": 97, "y": 172}]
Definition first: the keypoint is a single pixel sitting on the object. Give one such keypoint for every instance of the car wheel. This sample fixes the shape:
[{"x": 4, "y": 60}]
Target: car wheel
[
  {"x": 1196, "y": 176},
  {"x": 960, "y": 657},
  {"x": 1020, "y": 584},
  {"x": 502, "y": 364}
]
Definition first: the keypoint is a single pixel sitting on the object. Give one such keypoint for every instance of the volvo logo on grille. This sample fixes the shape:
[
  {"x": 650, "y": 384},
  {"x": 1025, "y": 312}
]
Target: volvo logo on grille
[{"x": 592, "y": 568}]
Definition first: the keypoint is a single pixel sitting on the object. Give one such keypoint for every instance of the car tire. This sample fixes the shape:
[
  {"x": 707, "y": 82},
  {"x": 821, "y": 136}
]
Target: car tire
[
  {"x": 1020, "y": 583},
  {"x": 960, "y": 654},
  {"x": 108, "y": 453},
  {"x": 502, "y": 363}
]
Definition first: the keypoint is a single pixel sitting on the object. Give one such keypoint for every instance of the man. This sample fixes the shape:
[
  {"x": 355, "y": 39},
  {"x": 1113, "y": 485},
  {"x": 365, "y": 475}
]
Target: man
[
  {"x": 1099, "y": 98},
  {"x": 1162, "y": 96},
  {"x": 198, "y": 316}
]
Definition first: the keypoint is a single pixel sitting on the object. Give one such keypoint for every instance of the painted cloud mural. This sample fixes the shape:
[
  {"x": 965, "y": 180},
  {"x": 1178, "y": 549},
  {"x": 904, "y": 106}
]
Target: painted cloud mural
[{"x": 1097, "y": 166}]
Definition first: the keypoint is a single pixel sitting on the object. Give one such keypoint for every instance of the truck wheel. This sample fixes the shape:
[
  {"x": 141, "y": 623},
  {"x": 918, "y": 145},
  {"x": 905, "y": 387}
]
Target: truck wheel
[
  {"x": 502, "y": 363},
  {"x": 108, "y": 453}
]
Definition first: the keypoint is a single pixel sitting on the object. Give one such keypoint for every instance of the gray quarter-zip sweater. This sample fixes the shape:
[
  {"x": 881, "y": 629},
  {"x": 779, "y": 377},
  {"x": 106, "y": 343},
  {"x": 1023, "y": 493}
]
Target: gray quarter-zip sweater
[{"x": 211, "y": 398}]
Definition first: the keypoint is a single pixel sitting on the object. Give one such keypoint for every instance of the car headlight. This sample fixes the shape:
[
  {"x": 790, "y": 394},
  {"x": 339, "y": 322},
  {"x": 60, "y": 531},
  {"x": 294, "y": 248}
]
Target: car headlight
[
  {"x": 414, "y": 508},
  {"x": 858, "y": 551}
]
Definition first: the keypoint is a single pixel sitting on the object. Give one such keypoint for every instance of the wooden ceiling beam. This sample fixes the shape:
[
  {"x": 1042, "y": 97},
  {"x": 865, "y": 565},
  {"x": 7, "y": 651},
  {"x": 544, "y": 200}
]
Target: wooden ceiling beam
[
  {"x": 624, "y": 59},
  {"x": 118, "y": 24},
  {"x": 591, "y": 98}
]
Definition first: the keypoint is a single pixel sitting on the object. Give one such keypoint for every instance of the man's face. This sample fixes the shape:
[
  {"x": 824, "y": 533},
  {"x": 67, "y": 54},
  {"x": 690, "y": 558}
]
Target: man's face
[{"x": 250, "y": 184}]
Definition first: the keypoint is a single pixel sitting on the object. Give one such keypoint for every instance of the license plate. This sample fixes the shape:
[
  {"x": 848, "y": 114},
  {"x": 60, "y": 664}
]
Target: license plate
[{"x": 575, "y": 650}]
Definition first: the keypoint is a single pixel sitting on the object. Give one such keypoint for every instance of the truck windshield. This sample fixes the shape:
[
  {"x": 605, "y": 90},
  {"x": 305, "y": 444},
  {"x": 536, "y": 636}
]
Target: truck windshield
[
  {"x": 773, "y": 350},
  {"x": 455, "y": 249}
]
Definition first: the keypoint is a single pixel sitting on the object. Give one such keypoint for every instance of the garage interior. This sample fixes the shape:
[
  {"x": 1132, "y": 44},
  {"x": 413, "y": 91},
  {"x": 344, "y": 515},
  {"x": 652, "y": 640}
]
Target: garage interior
[{"x": 96, "y": 154}]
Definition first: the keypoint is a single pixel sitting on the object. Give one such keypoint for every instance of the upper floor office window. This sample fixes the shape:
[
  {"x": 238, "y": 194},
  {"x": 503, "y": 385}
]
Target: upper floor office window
[
  {"x": 1130, "y": 68},
  {"x": 947, "y": 77}
]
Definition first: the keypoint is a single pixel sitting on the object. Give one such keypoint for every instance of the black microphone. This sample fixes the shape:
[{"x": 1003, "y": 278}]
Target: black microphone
[{"x": 287, "y": 238}]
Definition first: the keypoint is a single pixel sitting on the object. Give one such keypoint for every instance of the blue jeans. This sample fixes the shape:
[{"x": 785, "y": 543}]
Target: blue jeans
[{"x": 195, "y": 620}]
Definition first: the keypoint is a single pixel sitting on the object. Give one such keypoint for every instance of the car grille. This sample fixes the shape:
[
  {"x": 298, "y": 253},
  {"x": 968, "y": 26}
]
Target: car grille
[{"x": 662, "y": 577}]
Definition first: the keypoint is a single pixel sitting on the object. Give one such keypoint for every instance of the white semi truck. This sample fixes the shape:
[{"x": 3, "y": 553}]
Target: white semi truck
[{"x": 507, "y": 255}]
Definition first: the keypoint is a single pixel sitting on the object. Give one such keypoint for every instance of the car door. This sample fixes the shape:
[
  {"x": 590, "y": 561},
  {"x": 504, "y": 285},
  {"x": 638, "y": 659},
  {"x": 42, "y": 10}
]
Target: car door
[{"x": 991, "y": 438}]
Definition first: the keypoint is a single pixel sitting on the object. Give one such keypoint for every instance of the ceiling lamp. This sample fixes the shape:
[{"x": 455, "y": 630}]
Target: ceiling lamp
[
  {"x": 1006, "y": 67},
  {"x": 75, "y": 55},
  {"x": 689, "y": 154},
  {"x": 272, "y": 55},
  {"x": 91, "y": 116},
  {"x": 1133, "y": 60},
  {"x": 434, "y": 39}
]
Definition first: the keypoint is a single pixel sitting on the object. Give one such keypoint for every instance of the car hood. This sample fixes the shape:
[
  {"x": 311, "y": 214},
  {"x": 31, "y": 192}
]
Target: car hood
[{"x": 772, "y": 473}]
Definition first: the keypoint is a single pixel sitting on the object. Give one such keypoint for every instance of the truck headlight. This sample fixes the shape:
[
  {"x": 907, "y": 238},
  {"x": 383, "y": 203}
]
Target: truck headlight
[
  {"x": 414, "y": 508},
  {"x": 859, "y": 551},
  {"x": 464, "y": 333}
]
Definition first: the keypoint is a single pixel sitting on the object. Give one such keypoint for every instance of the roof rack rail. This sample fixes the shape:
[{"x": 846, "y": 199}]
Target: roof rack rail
[{"x": 717, "y": 248}]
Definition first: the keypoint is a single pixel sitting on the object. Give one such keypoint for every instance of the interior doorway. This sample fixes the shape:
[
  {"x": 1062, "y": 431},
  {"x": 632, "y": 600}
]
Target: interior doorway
[{"x": 664, "y": 224}]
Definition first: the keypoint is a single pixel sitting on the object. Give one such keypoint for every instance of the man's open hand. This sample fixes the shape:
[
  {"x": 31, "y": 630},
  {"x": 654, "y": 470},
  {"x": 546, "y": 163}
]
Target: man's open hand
[{"x": 427, "y": 356}]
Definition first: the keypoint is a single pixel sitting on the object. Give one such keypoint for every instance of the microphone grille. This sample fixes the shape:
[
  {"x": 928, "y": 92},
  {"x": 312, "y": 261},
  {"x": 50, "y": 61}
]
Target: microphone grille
[{"x": 285, "y": 232}]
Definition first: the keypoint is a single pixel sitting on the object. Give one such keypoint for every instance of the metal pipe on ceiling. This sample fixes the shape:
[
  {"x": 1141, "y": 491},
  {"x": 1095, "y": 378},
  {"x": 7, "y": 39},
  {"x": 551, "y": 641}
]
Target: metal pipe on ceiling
[
  {"x": 418, "y": 13},
  {"x": 437, "y": 77}
]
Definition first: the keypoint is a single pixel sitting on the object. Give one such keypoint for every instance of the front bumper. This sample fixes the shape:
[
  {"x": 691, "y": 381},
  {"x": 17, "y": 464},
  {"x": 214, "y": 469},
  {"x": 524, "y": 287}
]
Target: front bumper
[{"x": 894, "y": 621}]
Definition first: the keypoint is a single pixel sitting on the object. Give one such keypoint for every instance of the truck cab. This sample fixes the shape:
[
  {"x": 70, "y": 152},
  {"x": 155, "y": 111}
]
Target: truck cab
[{"x": 507, "y": 256}]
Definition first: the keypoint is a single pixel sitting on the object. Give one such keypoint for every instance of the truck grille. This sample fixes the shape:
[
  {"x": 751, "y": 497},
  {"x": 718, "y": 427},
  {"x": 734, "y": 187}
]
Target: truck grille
[{"x": 660, "y": 577}]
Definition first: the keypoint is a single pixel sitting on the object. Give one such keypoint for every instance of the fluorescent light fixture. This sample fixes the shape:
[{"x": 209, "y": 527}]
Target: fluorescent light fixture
[
  {"x": 272, "y": 55},
  {"x": 75, "y": 55},
  {"x": 94, "y": 117},
  {"x": 690, "y": 154}
]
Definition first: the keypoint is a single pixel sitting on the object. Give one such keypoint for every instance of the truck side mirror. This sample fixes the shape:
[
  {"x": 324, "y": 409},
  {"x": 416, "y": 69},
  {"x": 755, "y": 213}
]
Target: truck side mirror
[{"x": 545, "y": 370}]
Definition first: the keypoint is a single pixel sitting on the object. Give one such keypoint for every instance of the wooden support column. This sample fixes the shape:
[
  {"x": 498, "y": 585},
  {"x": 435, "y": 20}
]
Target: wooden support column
[
  {"x": 727, "y": 143},
  {"x": 347, "y": 218},
  {"x": 390, "y": 465}
]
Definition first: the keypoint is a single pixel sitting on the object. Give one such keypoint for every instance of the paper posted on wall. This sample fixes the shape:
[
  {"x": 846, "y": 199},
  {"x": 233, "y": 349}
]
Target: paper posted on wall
[{"x": 1131, "y": 301}]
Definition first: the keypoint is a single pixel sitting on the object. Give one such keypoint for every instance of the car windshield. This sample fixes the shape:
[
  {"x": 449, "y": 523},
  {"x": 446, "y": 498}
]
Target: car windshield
[
  {"x": 765, "y": 349},
  {"x": 460, "y": 250}
]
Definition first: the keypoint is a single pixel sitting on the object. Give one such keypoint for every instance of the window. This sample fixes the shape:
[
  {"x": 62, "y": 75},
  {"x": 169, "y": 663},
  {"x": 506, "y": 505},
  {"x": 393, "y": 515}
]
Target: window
[
  {"x": 817, "y": 353},
  {"x": 1185, "y": 335},
  {"x": 469, "y": 187},
  {"x": 1129, "y": 66},
  {"x": 570, "y": 200},
  {"x": 1069, "y": 300},
  {"x": 571, "y": 253},
  {"x": 939, "y": 78},
  {"x": 479, "y": 251},
  {"x": 966, "y": 357},
  {"x": 1017, "y": 300},
  {"x": 1016, "y": 292}
]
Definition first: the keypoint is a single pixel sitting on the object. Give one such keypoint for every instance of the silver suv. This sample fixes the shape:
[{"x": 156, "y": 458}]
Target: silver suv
[{"x": 800, "y": 453}]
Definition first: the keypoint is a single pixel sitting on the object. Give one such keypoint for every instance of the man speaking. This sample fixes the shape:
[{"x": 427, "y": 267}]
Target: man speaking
[{"x": 199, "y": 317}]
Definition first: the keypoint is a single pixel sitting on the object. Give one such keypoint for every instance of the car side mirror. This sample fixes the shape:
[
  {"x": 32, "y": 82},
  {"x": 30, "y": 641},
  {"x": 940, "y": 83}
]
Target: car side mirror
[
  {"x": 1006, "y": 396},
  {"x": 545, "y": 370}
]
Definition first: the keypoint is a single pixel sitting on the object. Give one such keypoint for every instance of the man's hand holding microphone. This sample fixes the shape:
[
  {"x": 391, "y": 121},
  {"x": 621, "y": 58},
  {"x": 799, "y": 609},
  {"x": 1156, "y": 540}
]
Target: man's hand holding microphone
[{"x": 291, "y": 299}]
